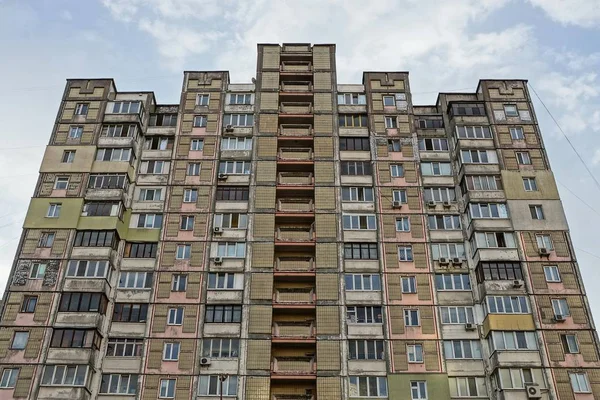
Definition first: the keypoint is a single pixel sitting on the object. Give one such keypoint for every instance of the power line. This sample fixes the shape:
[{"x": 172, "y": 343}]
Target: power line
[
  {"x": 588, "y": 253},
  {"x": 579, "y": 198}
]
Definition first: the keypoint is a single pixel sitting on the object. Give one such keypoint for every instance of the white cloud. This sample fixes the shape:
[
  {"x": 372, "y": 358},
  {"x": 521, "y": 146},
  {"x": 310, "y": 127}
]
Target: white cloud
[
  {"x": 584, "y": 13},
  {"x": 66, "y": 15}
]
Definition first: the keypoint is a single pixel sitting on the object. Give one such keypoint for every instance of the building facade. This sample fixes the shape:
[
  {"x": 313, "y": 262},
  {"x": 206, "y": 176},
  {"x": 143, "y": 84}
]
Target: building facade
[{"x": 296, "y": 239}]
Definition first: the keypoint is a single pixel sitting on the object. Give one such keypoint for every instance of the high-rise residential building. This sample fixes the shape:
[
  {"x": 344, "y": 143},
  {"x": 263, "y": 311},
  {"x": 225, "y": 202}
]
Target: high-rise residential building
[{"x": 296, "y": 238}]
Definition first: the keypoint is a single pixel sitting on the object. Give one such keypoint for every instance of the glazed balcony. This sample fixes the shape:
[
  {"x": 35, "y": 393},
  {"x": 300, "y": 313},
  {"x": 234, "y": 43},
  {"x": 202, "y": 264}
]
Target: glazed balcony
[
  {"x": 295, "y": 154},
  {"x": 295, "y": 178},
  {"x": 295, "y": 205},
  {"x": 296, "y": 86},
  {"x": 295, "y": 233},
  {"x": 296, "y": 108},
  {"x": 296, "y": 130},
  {"x": 293, "y": 366},
  {"x": 301, "y": 296},
  {"x": 294, "y": 330},
  {"x": 296, "y": 66}
]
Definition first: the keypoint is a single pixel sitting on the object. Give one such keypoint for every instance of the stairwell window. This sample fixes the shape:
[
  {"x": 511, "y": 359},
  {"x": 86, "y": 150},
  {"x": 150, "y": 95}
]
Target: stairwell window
[
  {"x": 411, "y": 318},
  {"x": 179, "y": 283},
  {"x": 9, "y": 378},
  {"x": 510, "y": 110},
  {"x": 570, "y": 344},
  {"x": 183, "y": 252},
  {"x": 200, "y": 121},
  {"x": 405, "y": 253},
  {"x": 171, "y": 351},
  {"x": 202, "y": 99},
  {"x": 516, "y": 133},
  {"x": 403, "y": 224},
  {"x": 409, "y": 284},
  {"x": 196, "y": 145},
  {"x": 190, "y": 195},
  {"x": 397, "y": 170},
  {"x": 552, "y": 273},
  {"x": 414, "y": 353},
  {"x": 536, "y": 212},
  {"x": 418, "y": 390},
  {"x": 175, "y": 316},
  {"x": 544, "y": 242},
  {"x": 391, "y": 122},
  {"x": 523, "y": 158},
  {"x": 68, "y": 156},
  {"x": 530, "y": 184},
  {"x": 561, "y": 307},
  {"x": 61, "y": 183},
  {"x": 53, "y": 210},
  {"x": 579, "y": 382},
  {"x": 75, "y": 132},
  {"x": 81, "y": 108},
  {"x": 193, "y": 169},
  {"x": 37, "y": 271}
]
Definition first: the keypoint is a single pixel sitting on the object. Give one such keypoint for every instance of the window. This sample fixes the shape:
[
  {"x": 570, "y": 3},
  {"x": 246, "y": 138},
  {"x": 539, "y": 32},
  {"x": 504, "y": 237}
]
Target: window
[
  {"x": 75, "y": 132},
  {"x": 235, "y": 167},
  {"x": 368, "y": 386},
  {"x": 516, "y": 133},
  {"x": 68, "y": 156},
  {"x": 81, "y": 108},
  {"x": 19, "y": 341},
  {"x": 221, "y": 280},
  {"x": 418, "y": 390},
  {"x": 61, "y": 183},
  {"x": 430, "y": 123},
  {"x": 231, "y": 249},
  {"x": 452, "y": 282},
  {"x": 403, "y": 224},
  {"x": 355, "y": 143},
  {"x": 193, "y": 169},
  {"x": 473, "y": 132},
  {"x": 494, "y": 240},
  {"x": 95, "y": 239},
  {"x": 360, "y": 251},
  {"x": 82, "y": 302},
  {"x": 397, "y": 170},
  {"x": 513, "y": 340},
  {"x": 498, "y": 271},
  {"x": 236, "y": 143},
  {"x": 391, "y": 122},
  {"x": 108, "y": 182},
  {"x": 363, "y": 315},
  {"x": 394, "y": 145},
  {"x": 158, "y": 143},
  {"x": 119, "y": 384},
  {"x": 439, "y": 194},
  {"x": 353, "y": 121},
  {"x": 130, "y": 312},
  {"x": 436, "y": 169},
  {"x": 523, "y": 158},
  {"x": 220, "y": 348},
  {"x": 9, "y": 378},
  {"x": 467, "y": 109},
  {"x": 101, "y": 209},
  {"x": 414, "y": 353},
  {"x": 447, "y": 250},
  {"x": 135, "y": 280},
  {"x": 202, "y": 99},
  {"x": 518, "y": 378},
  {"x": 357, "y": 193},
  {"x": 570, "y": 344},
  {"x": 125, "y": 107},
  {"x": 359, "y": 222},
  {"x": 579, "y": 382},
  {"x": 113, "y": 155},
  {"x": 140, "y": 250},
  {"x": 457, "y": 315},
  {"x": 409, "y": 284},
  {"x": 433, "y": 144},
  {"x": 488, "y": 210},
  {"x": 362, "y": 282},
  {"x": 223, "y": 314},
  {"x": 75, "y": 338},
  {"x": 351, "y": 99},
  {"x": 479, "y": 156},
  {"x": 150, "y": 220},
  {"x": 536, "y": 212},
  {"x": 389, "y": 101},
  {"x": 510, "y": 110},
  {"x": 183, "y": 252},
  {"x": 366, "y": 350},
  {"x": 405, "y": 253},
  {"x": 561, "y": 307},
  {"x": 150, "y": 195},
  {"x": 231, "y": 221},
  {"x": 530, "y": 184},
  {"x": 356, "y": 168},
  {"x": 196, "y": 144},
  {"x": 122, "y": 130},
  {"x": 64, "y": 375},
  {"x": 411, "y": 317},
  {"x": 209, "y": 385},
  {"x": 400, "y": 195},
  {"x": 167, "y": 389},
  {"x": 200, "y": 121},
  {"x": 29, "y": 303},
  {"x": 481, "y": 182},
  {"x": 46, "y": 239},
  {"x": 37, "y": 271},
  {"x": 179, "y": 283},
  {"x": 240, "y": 98},
  {"x": 171, "y": 351},
  {"x": 462, "y": 349},
  {"x": 175, "y": 316},
  {"x": 468, "y": 387},
  {"x": 124, "y": 347},
  {"x": 238, "y": 119},
  {"x": 507, "y": 305},
  {"x": 190, "y": 195},
  {"x": 163, "y": 120},
  {"x": 444, "y": 222},
  {"x": 552, "y": 273},
  {"x": 544, "y": 242},
  {"x": 232, "y": 193},
  {"x": 186, "y": 223}
]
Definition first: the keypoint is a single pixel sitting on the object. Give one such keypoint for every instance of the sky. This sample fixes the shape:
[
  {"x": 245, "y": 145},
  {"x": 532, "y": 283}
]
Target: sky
[{"x": 446, "y": 46}]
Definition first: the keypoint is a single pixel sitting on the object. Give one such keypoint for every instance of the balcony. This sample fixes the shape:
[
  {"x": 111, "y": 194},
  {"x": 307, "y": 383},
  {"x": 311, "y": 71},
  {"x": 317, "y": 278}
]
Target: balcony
[
  {"x": 295, "y": 178},
  {"x": 295, "y": 233},
  {"x": 295, "y": 154},
  {"x": 304, "y": 130},
  {"x": 161, "y": 130},
  {"x": 64, "y": 393},
  {"x": 296, "y": 66},
  {"x": 294, "y": 296},
  {"x": 108, "y": 141},
  {"x": 295, "y": 205},
  {"x": 296, "y": 86},
  {"x": 296, "y": 48},
  {"x": 293, "y": 397},
  {"x": 295, "y": 108},
  {"x": 293, "y": 366},
  {"x": 105, "y": 194},
  {"x": 293, "y": 330}
]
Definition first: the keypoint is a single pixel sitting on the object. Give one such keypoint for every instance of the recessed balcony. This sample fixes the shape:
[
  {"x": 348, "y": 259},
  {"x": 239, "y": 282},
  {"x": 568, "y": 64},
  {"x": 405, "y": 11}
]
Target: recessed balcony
[
  {"x": 294, "y": 266},
  {"x": 296, "y": 130},
  {"x": 295, "y": 205},
  {"x": 296, "y": 86},
  {"x": 294, "y": 331},
  {"x": 295, "y": 178},
  {"x": 295, "y": 233},
  {"x": 296, "y": 66},
  {"x": 295, "y": 154},
  {"x": 293, "y": 365},
  {"x": 294, "y": 296},
  {"x": 296, "y": 108}
]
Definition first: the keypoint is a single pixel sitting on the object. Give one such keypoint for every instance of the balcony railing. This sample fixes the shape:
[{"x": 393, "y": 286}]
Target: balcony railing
[
  {"x": 296, "y": 153},
  {"x": 296, "y": 86},
  {"x": 294, "y": 296},
  {"x": 295, "y": 205},
  {"x": 295, "y": 130},
  {"x": 295, "y": 108},
  {"x": 288, "y": 329},
  {"x": 295, "y": 264},
  {"x": 296, "y": 48},
  {"x": 295, "y": 178},
  {"x": 293, "y": 365},
  {"x": 296, "y": 66},
  {"x": 295, "y": 233}
]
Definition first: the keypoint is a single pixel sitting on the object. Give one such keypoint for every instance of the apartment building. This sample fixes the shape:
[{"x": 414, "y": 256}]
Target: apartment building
[{"x": 296, "y": 238}]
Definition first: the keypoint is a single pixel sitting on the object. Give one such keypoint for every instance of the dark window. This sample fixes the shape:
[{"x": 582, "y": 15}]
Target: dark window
[
  {"x": 468, "y": 109},
  {"x": 83, "y": 302},
  {"x": 130, "y": 312},
  {"x": 108, "y": 182},
  {"x": 498, "y": 272},
  {"x": 75, "y": 338},
  {"x": 353, "y": 120},
  {"x": 358, "y": 144},
  {"x": 140, "y": 250},
  {"x": 158, "y": 143},
  {"x": 163, "y": 119},
  {"x": 356, "y": 168},
  {"x": 360, "y": 251},
  {"x": 100, "y": 209},
  {"x": 232, "y": 193},
  {"x": 430, "y": 123},
  {"x": 224, "y": 314},
  {"x": 96, "y": 239},
  {"x": 29, "y": 303}
]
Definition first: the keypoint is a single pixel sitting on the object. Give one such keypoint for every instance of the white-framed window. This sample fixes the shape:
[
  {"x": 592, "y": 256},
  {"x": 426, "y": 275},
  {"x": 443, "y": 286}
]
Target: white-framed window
[
  {"x": 570, "y": 343},
  {"x": 119, "y": 384},
  {"x": 403, "y": 224},
  {"x": 53, "y": 210},
  {"x": 452, "y": 282},
  {"x": 544, "y": 242},
  {"x": 473, "y": 132},
  {"x": 510, "y": 110},
  {"x": 523, "y": 158},
  {"x": 9, "y": 378},
  {"x": 135, "y": 280},
  {"x": 186, "y": 223},
  {"x": 68, "y": 156},
  {"x": 368, "y": 386},
  {"x": 179, "y": 283},
  {"x": 391, "y": 122},
  {"x": 351, "y": 99},
  {"x": 81, "y": 108},
  {"x": 61, "y": 183},
  {"x": 409, "y": 284},
  {"x": 171, "y": 351},
  {"x": 154, "y": 167},
  {"x": 414, "y": 353},
  {"x": 389, "y": 101},
  {"x": 411, "y": 317},
  {"x": 209, "y": 385},
  {"x": 113, "y": 155},
  {"x": 118, "y": 347},
  {"x": 357, "y": 193},
  {"x": 87, "y": 269},
  {"x": 468, "y": 386},
  {"x": 479, "y": 156},
  {"x": 366, "y": 350},
  {"x": 150, "y": 221},
  {"x": 457, "y": 315},
  {"x": 444, "y": 222},
  {"x": 167, "y": 389},
  {"x": 482, "y": 182},
  {"x": 221, "y": 280},
  {"x": 75, "y": 132},
  {"x": 236, "y": 143},
  {"x": 494, "y": 240},
  {"x": 231, "y": 249},
  {"x": 552, "y": 273},
  {"x": 436, "y": 169},
  {"x": 120, "y": 130},
  {"x": 364, "y": 314},
  {"x": 37, "y": 271},
  {"x": 125, "y": 107},
  {"x": 193, "y": 169},
  {"x": 462, "y": 349},
  {"x": 418, "y": 390},
  {"x": 150, "y": 195},
  {"x": 359, "y": 222},
  {"x": 513, "y": 340},
  {"x": 190, "y": 195},
  {"x": 433, "y": 144},
  {"x": 439, "y": 194},
  {"x": 447, "y": 250},
  {"x": 238, "y": 119},
  {"x": 530, "y": 184},
  {"x": 220, "y": 348},
  {"x": 400, "y": 195},
  {"x": 516, "y": 133},
  {"x": 362, "y": 282},
  {"x": 579, "y": 382},
  {"x": 518, "y": 378},
  {"x": 46, "y": 239},
  {"x": 397, "y": 170},
  {"x": 240, "y": 98},
  {"x": 196, "y": 144},
  {"x": 235, "y": 167},
  {"x": 231, "y": 220},
  {"x": 488, "y": 210},
  {"x": 200, "y": 121},
  {"x": 183, "y": 252},
  {"x": 405, "y": 253},
  {"x": 175, "y": 316},
  {"x": 537, "y": 212},
  {"x": 202, "y": 99},
  {"x": 561, "y": 307},
  {"x": 507, "y": 305},
  {"x": 64, "y": 375},
  {"x": 19, "y": 340}
]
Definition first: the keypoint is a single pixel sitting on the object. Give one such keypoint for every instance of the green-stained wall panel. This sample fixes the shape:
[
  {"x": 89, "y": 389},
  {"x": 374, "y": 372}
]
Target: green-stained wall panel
[
  {"x": 67, "y": 219},
  {"x": 437, "y": 386}
]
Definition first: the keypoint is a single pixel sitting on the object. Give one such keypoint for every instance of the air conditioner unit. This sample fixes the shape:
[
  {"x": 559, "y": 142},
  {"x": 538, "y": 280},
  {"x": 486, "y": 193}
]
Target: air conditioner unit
[
  {"x": 431, "y": 203},
  {"x": 229, "y": 128},
  {"x": 205, "y": 361},
  {"x": 544, "y": 251},
  {"x": 456, "y": 260},
  {"x": 447, "y": 204},
  {"x": 218, "y": 260},
  {"x": 559, "y": 318},
  {"x": 517, "y": 284},
  {"x": 217, "y": 229},
  {"x": 84, "y": 214},
  {"x": 533, "y": 391},
  {"x": 222, "y": 176},
  {"x": 397, "y": 204},
  {"x": 444, "y": 261},
  {"x": 470, "y": 326}
]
